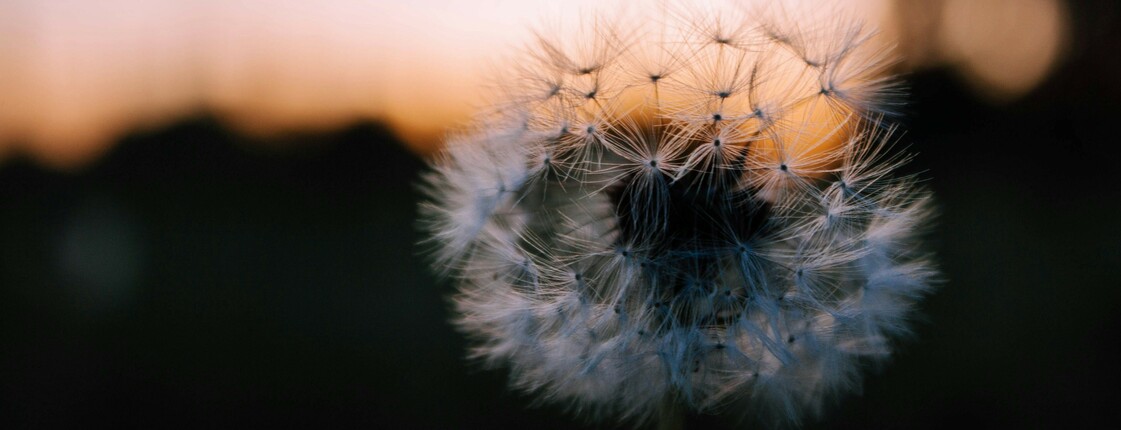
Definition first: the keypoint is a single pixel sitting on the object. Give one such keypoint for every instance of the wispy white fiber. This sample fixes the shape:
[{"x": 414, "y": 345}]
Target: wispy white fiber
[{"x": 697, "y": 210}]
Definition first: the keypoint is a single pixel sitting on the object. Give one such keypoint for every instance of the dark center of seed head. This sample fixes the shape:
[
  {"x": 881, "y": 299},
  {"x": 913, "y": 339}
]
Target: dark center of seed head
[{"x": 672, "y": 225}]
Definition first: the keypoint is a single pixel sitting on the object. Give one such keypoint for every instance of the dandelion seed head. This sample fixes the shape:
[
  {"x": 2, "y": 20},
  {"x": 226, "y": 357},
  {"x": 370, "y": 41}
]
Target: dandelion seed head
[{"x": 695, "y": 211}]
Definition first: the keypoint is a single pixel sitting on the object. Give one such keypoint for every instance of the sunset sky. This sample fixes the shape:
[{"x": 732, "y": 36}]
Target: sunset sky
[{"x": 77, "y": 74}]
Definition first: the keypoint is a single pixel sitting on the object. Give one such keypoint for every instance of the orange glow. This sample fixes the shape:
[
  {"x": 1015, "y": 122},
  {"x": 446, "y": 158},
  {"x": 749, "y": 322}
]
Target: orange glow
[
  {"x": 75, "y": 75},
  {"x": 811, "y": 135},
  {"x": 78, "y": 74},
  {"x": 1001, "y": 48},
  {"x": 1006, "y": 47}
]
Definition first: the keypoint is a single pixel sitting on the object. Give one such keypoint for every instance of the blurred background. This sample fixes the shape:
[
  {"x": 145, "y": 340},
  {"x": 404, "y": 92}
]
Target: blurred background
[{"x": 207, "y": 213}]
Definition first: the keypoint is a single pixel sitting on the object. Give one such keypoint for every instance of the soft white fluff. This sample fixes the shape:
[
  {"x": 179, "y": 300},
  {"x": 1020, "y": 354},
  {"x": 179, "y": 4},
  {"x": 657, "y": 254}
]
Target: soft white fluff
[{"x": 648, "y": 219}]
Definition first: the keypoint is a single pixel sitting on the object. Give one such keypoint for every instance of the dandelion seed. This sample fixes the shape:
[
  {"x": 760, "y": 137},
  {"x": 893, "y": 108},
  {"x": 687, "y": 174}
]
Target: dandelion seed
[{"x": 699, "y": 216}]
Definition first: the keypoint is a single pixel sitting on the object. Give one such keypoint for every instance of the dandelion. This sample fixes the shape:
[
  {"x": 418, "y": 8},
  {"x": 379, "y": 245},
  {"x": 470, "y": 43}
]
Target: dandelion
[{"x": 696, "y": 213}]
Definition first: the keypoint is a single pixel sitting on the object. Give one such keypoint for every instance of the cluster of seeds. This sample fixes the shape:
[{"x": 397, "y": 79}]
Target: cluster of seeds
[{"x": 699, "y": 211}]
